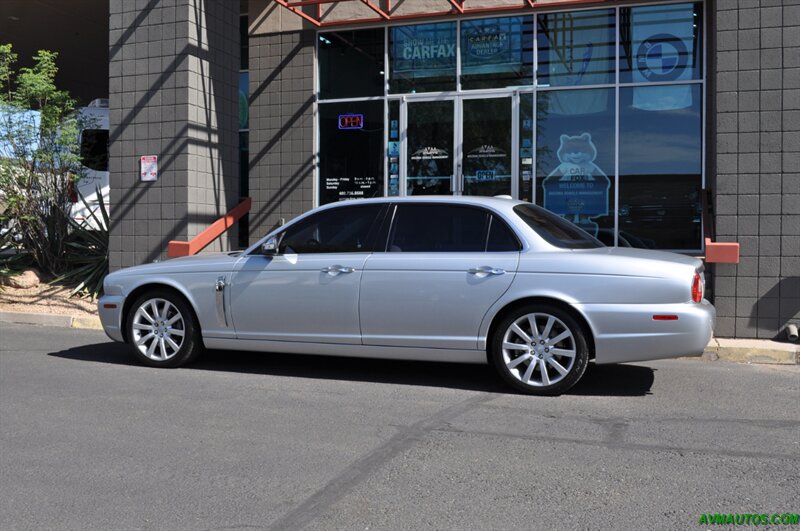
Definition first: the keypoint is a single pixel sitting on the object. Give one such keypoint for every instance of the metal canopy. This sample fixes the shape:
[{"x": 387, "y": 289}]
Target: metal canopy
[{"x": 311, "y": 10}]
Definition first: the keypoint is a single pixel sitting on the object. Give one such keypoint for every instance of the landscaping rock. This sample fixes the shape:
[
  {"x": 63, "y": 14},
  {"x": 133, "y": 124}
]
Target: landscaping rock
[{"x": 26, "y": 280}]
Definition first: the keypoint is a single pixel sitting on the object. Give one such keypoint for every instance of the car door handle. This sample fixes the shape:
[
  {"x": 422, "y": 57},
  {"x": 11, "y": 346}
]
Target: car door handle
[
  {"x": 486, "y": 270},
  {"x": 336, "y": 269}
]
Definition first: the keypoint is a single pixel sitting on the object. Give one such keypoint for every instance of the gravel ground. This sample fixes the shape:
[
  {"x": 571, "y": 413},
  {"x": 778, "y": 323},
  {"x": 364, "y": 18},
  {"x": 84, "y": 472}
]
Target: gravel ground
[{"x": 45, "y": 299}]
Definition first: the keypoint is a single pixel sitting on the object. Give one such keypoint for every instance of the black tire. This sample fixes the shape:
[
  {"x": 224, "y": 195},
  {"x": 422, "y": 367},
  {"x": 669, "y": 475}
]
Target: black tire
[
  {"x": 513, "y": 364},
  {"x": 191, "y": 344}
]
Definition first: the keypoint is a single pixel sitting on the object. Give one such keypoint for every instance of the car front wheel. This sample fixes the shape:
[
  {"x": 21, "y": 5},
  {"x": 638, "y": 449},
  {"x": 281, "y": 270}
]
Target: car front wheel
[
  {"x": 162, "y": 330},
  {"x": 540, "y": 350}
]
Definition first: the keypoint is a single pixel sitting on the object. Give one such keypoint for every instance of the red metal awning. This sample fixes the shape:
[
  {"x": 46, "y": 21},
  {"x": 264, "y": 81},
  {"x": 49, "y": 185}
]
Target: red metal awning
[{"x": 312, "y": 10}]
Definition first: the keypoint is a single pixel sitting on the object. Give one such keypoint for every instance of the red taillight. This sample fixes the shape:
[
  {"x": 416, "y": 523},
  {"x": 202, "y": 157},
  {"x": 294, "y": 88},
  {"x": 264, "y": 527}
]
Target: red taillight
[
  {"x": 665, "y": 317},
  {"x": 697, "y": 288}
]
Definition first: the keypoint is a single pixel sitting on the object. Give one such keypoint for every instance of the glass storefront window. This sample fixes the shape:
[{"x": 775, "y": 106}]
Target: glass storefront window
[
  {"x": 575, "y": 157},
  {"x": 351, "y": 150},
  {"x": 486, "y": 145},
  {"x": 661, "y": 43},
  {"x": 575, "y": 147},
  {"x": 244, "y": 105},
  {"x": 351, "y": 64},
  {"x": 660, "y": 166},
  {"x": 393, "y": 149},
  {"x": 422, "y": 58},
  {"x": 430, "y": 154},
  {"x": 244, "y": 48},
  {"x": 496, "y": 52},
  {"x": 576, "y": 48}
]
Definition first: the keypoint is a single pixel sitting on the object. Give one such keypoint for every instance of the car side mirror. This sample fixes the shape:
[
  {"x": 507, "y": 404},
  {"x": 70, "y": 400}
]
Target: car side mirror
[{"x": 270, "y": 247}]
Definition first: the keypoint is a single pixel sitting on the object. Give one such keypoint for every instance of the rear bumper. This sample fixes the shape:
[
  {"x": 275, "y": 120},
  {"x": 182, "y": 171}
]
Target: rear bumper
[
  {"x": 111, "y": 317},
  {"x": 628, "y": 332}
]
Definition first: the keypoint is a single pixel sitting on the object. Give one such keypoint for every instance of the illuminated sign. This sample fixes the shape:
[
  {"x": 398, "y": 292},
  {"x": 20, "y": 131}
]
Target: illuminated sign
[{"x": 351, "y": 121}]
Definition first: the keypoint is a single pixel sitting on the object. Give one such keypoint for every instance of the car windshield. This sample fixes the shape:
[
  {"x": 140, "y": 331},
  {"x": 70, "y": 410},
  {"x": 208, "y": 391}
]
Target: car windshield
[{"x": 556, "y": 230}]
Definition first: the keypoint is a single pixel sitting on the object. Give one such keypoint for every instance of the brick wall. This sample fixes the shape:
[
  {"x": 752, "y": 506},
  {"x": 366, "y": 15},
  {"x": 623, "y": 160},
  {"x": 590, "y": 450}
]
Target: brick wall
[
  {"x": 756, "y": 47},
  {"x": 281, "y": 127},
  {"x": 173, "y": 77}
]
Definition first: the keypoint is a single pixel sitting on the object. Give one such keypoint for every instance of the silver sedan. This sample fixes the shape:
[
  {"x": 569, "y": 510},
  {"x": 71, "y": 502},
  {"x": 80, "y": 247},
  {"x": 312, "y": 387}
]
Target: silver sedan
[{"x": 455, "y": 279}]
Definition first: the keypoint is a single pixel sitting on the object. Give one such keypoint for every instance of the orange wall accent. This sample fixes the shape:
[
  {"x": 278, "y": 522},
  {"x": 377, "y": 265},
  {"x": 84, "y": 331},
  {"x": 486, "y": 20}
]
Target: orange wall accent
[{"x": 215, "y": 230}]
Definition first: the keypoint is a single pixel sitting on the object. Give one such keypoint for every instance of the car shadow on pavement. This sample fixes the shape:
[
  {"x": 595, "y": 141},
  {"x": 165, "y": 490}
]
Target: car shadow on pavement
[{"x": 603, "y": 380}]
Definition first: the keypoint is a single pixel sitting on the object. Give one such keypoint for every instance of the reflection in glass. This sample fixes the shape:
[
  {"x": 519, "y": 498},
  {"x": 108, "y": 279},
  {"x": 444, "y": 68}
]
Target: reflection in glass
[
  {"x": 576, "y": 48},
  {"x": 661, "y": 43},
  {"x": 575, "y": 157},
  {"x": 496, "y": 52},
  {"x": 526, "y": 146},
  {"x": 350, "y": 150},
  {"x": 244, "y": 48},
  {"x": 244, "y": 185},
  {"x": 660, "y": 214},
  {"x": 429, "y": 154},
  {"x": 422, "y": 58},
  {"x": 351, "y": 64},
  {"x": 393, "y": 149},
  {"x": 660, "y": 163},
  {"x": 487, "y": 146},
  {"x": 244, "y": 105}
]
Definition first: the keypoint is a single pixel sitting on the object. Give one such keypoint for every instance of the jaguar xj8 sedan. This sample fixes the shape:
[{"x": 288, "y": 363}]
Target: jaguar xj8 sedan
[{"x": 457, "y": 279}]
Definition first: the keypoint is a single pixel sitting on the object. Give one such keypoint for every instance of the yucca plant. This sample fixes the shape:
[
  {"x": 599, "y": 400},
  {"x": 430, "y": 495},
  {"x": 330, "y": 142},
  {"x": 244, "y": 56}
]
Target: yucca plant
[{"x": 86, "y": 251}]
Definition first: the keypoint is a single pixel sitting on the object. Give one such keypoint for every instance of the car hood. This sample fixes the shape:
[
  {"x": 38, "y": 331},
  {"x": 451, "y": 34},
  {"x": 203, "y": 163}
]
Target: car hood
[{"x": 215, "y": 262}]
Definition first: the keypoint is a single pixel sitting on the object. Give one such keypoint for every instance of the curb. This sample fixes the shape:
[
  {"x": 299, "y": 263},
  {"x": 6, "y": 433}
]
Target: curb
[
  {"x": 46, "y": 319},
  {"x": 752, "y": 351}
]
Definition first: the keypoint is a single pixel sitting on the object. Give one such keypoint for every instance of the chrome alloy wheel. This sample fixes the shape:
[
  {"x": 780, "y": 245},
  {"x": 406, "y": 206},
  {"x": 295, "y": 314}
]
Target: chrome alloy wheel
[
  {"x": 539, "y": 349},
  {"x": 158, "y": 329}
]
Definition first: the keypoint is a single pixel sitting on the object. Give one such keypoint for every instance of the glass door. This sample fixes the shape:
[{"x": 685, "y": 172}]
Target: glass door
[
  {"x": 485, "y": 163},
  {"x": 429, "y": 152}
]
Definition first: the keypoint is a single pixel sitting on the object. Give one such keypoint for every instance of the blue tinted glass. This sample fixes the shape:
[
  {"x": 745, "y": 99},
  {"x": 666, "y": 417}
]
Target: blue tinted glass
[
  {"x": 244, "y": 106},
  {"x": 660, "y": 130},
  {"x": 661, "y": 43},
  {"x": 422, "y": 57},
  {"x": 496, "y": 52},
  {"x": 660, "y": 164},
  {"x": 576, "y": 48},
  {"x": 575, "y": 157}
]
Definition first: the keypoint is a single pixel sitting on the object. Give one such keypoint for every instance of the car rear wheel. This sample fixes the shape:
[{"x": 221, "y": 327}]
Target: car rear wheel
[
  {"x": 540, "y": 349},
  {"x": 163, "y": 331}
]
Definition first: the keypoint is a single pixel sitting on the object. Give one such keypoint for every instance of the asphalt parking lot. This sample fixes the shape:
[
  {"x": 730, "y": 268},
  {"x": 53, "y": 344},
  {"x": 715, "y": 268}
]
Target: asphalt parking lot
[{"x": 243, "y": 440}]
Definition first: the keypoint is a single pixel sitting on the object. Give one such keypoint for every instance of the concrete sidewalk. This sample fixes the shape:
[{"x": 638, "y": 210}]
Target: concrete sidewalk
[
  {"x": 752, "y": 351},
  {"x": 738, "y": 350},
  {"x": 50, "y": 319}
]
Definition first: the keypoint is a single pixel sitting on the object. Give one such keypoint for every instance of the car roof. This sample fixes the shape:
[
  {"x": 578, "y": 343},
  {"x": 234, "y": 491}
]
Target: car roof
[{"x": 500, "y": 203}]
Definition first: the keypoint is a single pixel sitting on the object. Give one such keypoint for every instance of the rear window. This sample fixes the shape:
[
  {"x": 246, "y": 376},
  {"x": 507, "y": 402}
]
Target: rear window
[
  {"x": 556, "y": 230},
  {"x": 94, "y": 149}
]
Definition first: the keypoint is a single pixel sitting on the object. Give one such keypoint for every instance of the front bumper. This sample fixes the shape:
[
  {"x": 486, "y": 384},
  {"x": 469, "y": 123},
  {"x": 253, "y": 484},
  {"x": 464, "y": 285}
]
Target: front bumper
[
  {"x": 628, "y": 332},
  {"x": 109, "y": 307}
]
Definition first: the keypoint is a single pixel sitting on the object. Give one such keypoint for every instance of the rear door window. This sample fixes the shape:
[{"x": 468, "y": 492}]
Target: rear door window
[{"x": 442, "y": 228}]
